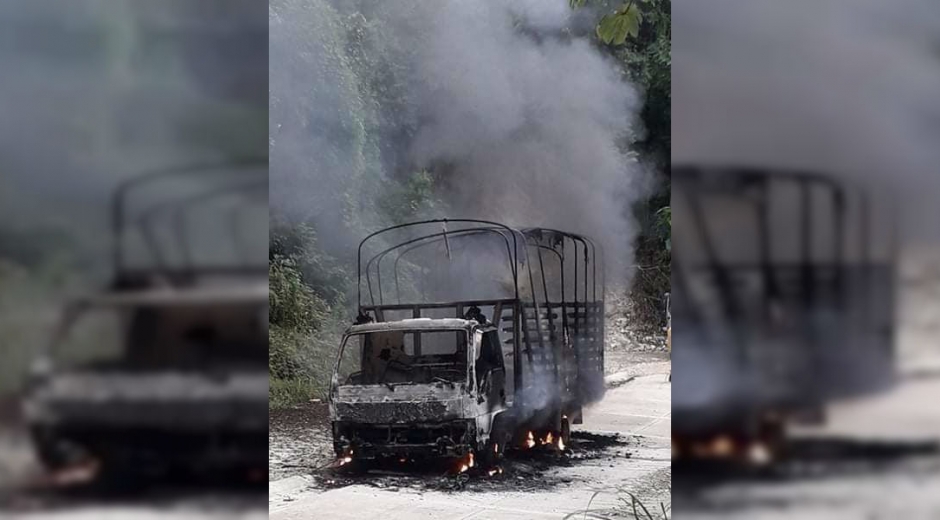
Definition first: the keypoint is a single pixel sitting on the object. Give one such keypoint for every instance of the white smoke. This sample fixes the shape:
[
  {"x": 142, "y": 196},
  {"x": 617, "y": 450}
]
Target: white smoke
[
  {"x": 520, "y": 124},
  {"x": 844, "y": 87}
]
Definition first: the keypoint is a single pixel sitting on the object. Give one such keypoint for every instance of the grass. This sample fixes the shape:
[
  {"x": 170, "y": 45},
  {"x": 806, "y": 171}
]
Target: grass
[
  {"x": 628, "y": 506},
  {"x": 300, "y": 365},
  {"x": 27, "y": 313},
  {"x": 284, "y": 393}
]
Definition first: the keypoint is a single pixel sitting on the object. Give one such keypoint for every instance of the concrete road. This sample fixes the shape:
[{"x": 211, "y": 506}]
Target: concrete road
[{"x": 638, "y": 409}]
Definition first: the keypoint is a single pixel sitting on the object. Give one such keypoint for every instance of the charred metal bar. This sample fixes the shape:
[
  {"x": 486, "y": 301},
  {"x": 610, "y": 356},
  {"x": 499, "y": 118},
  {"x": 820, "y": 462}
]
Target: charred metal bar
[
  {"x": 767, "y": 274},
  {"x": 178, "y": 207},
  {"x": 867, "y": 251},
  {"x": 838, "y": 204},
  {"x": 430, "y": 239},
  {"x": 433, "y": 221},
  {"x": 118, "y": 202},
  {"x": 427, "y": 241},
  {"x": 806, "y": 249}
]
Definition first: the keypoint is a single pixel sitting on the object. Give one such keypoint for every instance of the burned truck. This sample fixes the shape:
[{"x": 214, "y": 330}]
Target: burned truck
[
  {"x": 166, "y": 368},
  {"x": 473, "y": 338},
  {"x": 783, "y": 301}
]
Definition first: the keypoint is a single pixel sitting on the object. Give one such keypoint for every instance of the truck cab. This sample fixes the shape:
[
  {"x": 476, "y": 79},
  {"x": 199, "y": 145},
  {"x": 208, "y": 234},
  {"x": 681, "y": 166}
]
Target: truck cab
[{"x": 418, "y": 386}]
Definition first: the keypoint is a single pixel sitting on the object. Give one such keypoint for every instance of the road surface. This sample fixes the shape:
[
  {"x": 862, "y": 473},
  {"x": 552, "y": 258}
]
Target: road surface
[{"x": 638, "y": 409}]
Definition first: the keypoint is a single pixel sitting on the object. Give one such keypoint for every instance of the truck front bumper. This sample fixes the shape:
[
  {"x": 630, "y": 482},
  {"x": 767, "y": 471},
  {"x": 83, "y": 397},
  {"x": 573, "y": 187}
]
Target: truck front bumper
[{"x": 368, "y": 440}]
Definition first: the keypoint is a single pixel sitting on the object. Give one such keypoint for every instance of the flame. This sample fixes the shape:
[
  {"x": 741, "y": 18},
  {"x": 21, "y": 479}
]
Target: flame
[
  {"x": 530, "y": 440},
  {"x": 346, "y": 459},
  {"x": 759, "y": 454},
  {"x": 496, "y": 448},
  {"x": 561, "y": 443},
  {"x": 466, "y": 464},
  {"x": 722, "y": 446},
  {"x": 495, "y": 471},
  {"x": 548, "y": 439},
  {"x": 77, "y": 474}
]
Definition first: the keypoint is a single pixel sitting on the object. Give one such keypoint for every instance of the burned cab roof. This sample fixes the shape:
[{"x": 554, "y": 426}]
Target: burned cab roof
[{"x": 415, "y": 324}]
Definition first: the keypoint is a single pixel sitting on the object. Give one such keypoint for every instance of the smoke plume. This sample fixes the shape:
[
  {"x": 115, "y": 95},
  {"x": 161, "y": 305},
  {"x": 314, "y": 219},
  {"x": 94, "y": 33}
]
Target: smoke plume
[
  {"x": 94, "y": 92},
  {"x": 519, "y": 121},
  {"x": 847, "y": 88}
]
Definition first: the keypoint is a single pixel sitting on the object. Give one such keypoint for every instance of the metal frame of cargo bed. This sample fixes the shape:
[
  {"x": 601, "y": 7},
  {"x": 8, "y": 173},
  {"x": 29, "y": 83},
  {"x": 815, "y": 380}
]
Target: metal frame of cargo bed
[
  {"x": 539, "y": 338},
  {"x": 845, "y": 276},
  {"x": 224, "y": 179}
]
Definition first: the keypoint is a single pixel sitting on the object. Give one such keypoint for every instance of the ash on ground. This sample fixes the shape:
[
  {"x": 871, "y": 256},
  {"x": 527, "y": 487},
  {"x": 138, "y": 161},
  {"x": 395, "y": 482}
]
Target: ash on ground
[
  {"x": 521, "y": 469},
  {"x": 299, "y": 440}
]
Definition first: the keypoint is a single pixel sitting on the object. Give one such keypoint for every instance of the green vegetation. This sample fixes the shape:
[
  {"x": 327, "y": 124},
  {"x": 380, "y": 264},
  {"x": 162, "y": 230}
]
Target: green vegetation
[
  {"x": 27, "y": 314},
  {"x": 306, "y": 302},
  {"x": 637, "y": 33}
]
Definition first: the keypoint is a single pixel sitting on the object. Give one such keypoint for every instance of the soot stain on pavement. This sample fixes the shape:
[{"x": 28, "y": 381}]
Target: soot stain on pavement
[
  {"x": 812, "y": 458},
  {"x": 212, "y": 491},
  {"x": 519, "y": 470}
]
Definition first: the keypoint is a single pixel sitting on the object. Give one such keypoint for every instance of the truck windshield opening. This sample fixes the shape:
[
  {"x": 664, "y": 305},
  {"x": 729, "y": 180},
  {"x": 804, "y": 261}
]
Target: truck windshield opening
[{"x": 418, "y": 357}]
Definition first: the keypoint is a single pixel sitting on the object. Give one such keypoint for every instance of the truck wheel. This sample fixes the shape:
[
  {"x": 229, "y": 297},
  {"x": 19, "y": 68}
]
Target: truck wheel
[
  {"x": 52, "y": 451},
  {"x": 494, "y": 448},
  {"x": 492, "y": 452}
]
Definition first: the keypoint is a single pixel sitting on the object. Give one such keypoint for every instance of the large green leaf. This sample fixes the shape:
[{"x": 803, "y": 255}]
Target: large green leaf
[{"x": 613, "y": 29}]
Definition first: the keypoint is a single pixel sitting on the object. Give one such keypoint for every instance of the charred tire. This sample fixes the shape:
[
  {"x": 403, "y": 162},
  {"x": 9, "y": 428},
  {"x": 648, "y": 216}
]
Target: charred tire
[
  {"x": 500, "y": 437},
  {"x": 53, "y": 451},
  {"x": 492, "y": 453},
  {"x": 49, "y": 454}
]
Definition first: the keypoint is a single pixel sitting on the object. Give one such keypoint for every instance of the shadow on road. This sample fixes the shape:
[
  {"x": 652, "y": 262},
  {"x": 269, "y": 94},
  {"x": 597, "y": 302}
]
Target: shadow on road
[
  {"x": 216, "y": 491},
  {"x": 810, "y": 458}
]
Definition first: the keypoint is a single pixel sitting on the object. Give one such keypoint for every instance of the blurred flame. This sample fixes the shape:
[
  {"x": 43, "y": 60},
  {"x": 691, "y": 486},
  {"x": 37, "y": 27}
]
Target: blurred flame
[
  {"x": 466, "y": 464},
  {"x": 561, "y": 444},
  {"x": 346, "y": 459},
  {"x": 77, "y": 474},
  {"x": 722, "y": 446},
  {"x": 530, "y": 440},
  {"x": 759, "y": 454}
]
